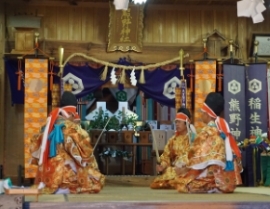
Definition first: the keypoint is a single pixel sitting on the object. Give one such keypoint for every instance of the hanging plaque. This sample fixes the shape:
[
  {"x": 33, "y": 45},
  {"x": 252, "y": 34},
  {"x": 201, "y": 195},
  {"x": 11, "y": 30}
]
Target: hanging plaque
[{"x": 126, "y": 28}]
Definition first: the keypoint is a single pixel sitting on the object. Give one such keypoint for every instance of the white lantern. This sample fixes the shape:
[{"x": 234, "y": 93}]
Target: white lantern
[
  {"x": 139, "y": 1},
  {"x": 121, "y": 4}
]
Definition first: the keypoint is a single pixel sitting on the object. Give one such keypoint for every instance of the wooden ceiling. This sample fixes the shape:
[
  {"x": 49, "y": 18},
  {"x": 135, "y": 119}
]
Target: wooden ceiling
[
  {"x": 175, "y": 2},
  {"x": 155, "y": 2}
]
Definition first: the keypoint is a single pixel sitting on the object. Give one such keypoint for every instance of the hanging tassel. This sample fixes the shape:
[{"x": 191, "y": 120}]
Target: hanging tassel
[
  {"x": 19, "y": 73},
  {"x": 220, "y": 75},
  {"x": 51, "y": 74},
  {"x": 191, "y": 75},
  {"x": 142, "y": 79},
  {"x": 104, "y": 74},
  {"x": 123, "y": 77}
]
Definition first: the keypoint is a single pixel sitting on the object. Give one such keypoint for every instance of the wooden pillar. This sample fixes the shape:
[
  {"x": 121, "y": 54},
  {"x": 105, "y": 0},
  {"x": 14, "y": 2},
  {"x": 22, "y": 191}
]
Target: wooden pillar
[
  {"x": 2, "y": 81},
  {"x": 243, "y": 52}
]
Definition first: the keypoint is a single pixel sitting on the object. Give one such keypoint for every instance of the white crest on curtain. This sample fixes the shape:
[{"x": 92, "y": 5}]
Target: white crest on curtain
[{"x": 75, "y": 82}]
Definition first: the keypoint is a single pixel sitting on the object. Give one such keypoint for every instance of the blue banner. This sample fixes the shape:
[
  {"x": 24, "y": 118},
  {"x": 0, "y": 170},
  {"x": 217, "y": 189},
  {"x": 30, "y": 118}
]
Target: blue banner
[
  {"x": 234, "y": 96},
  {"x": 256, "y": 99}
]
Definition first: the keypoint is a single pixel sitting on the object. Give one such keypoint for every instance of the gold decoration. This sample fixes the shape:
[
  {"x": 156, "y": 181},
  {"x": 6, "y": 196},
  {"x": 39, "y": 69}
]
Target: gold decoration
[
  {"x": 126, "y": 28},
  {"x": 182, "y": 68},
  {"x": 123, "y": 77},
  {"x": 177, "y": 98},
  {"x": 104, "y": 74},
  {"x": 189, "y": 99},
  {"x": 61, "y": 57},
  {"x": 67, "y": 87},
  {"x": 142, "y": 79},
  {"x": 55, "y": 96}
]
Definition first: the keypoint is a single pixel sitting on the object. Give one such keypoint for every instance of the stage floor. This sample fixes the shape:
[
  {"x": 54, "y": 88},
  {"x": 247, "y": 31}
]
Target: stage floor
[
  {"x": 124, "y": 192},
  {"x": 145, "y": 194},
  {"x": 133, "y": 197}
]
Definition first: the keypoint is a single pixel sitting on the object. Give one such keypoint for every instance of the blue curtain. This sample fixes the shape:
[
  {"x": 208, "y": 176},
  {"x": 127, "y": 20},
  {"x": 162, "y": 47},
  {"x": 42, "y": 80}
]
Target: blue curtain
[{"x": 90, "y": 77}]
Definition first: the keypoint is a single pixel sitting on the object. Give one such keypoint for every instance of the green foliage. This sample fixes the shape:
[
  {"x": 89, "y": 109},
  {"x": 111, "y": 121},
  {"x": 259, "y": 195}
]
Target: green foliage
[
  {"x": 117, "y": 121},
  {"x": 100, "y": 120},
  {"x": 128, "y": 119},
  {"x": 113, "y": 124}
]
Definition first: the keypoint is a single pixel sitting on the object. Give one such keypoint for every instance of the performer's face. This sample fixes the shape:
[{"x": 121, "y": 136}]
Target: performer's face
[
  {"x": 205, "y": 117},
  {"x": 180, "y": 126}
]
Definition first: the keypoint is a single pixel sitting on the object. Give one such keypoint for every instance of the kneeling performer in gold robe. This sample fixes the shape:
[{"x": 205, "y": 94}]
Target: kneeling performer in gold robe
[
  {"x": 64, "y": 155},
  {"x": 175, "y": 151}
]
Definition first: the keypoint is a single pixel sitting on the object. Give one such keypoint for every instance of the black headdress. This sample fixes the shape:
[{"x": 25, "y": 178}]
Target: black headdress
[
  {"x": 68, "y": 99},
  {"x": 215, "y": 101}
]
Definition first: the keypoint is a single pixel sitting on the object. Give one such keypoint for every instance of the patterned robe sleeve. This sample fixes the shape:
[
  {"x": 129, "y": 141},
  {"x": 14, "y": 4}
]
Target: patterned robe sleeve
[{"x": 166, "y": 157}]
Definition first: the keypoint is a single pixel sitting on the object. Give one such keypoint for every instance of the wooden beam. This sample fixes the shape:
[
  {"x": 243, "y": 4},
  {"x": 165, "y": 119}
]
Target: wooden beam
[
  {"x": 57, "y": 3},
  {"x": 152, "y": 52},
  {"x": 243, "y": 51},
  {"x": 2, "y": 82},
  {"x": 182, "y": 5}
]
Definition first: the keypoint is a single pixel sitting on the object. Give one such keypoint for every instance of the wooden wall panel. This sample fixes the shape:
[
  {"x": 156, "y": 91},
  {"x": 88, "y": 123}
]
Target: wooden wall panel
[
  {"x": 207, "y": 22},
  {"x": 87, "y": 24},
  {"x": 50, "y": 23},
  {"x": 154, "y": 31},
  {"x": 101, "y": 25},
  {"x": 162, "y": 27},
  {"x": 171, "y": 31},
  {"x": 183, "y": 33},
  {"x": 232, "y": 25},
  {"x": 40, "y": 13},
  {"x": 220, "y": 22},
  {"x": 195, "y": 26},
  {"x": 149, "y": 22},
  {"x": 242, "y": 40},
  {"x": 62, "y": 23},
  {"x": 75, "y": 24}
]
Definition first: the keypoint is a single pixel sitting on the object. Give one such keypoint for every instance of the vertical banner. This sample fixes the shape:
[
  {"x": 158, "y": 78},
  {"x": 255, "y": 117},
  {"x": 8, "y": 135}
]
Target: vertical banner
[
  {"x": 234, "y": 96},
  {"x": 183, "y": 87},
  {"x": 35, "y": 106},
  {"x": 268, "y": 91},
  {"x": 256, "y": 99},
  {"x": 205, "y": 82}
]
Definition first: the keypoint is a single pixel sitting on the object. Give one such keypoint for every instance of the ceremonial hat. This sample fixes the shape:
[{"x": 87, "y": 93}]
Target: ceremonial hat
[
  {"x": 68, "y": 99},
  {"x": 215, "y": 102}
]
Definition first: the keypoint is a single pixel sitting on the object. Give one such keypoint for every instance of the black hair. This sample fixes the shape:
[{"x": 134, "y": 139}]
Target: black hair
[
  {"x": 68, "y": 99},
  {"x": 216, "y": 102}
]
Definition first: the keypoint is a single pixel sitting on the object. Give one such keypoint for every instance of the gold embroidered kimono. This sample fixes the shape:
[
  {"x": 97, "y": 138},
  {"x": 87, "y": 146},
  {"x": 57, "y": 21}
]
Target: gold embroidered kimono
[
  {"x": 74, "y": 168},
  {"x": 175, "y": 153},
  {"x": 207, "y": 161}
]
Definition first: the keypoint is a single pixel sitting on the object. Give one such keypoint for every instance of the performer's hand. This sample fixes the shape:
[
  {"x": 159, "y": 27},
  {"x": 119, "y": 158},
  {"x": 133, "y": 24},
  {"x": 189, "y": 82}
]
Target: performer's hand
[{"x": 160, "y": 168}]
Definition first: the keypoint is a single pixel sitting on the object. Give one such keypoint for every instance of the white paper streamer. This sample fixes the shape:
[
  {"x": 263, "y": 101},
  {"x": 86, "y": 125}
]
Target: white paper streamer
[
  {"x": 113, "y": 77},
  {"x": 133, "y": 79}
]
